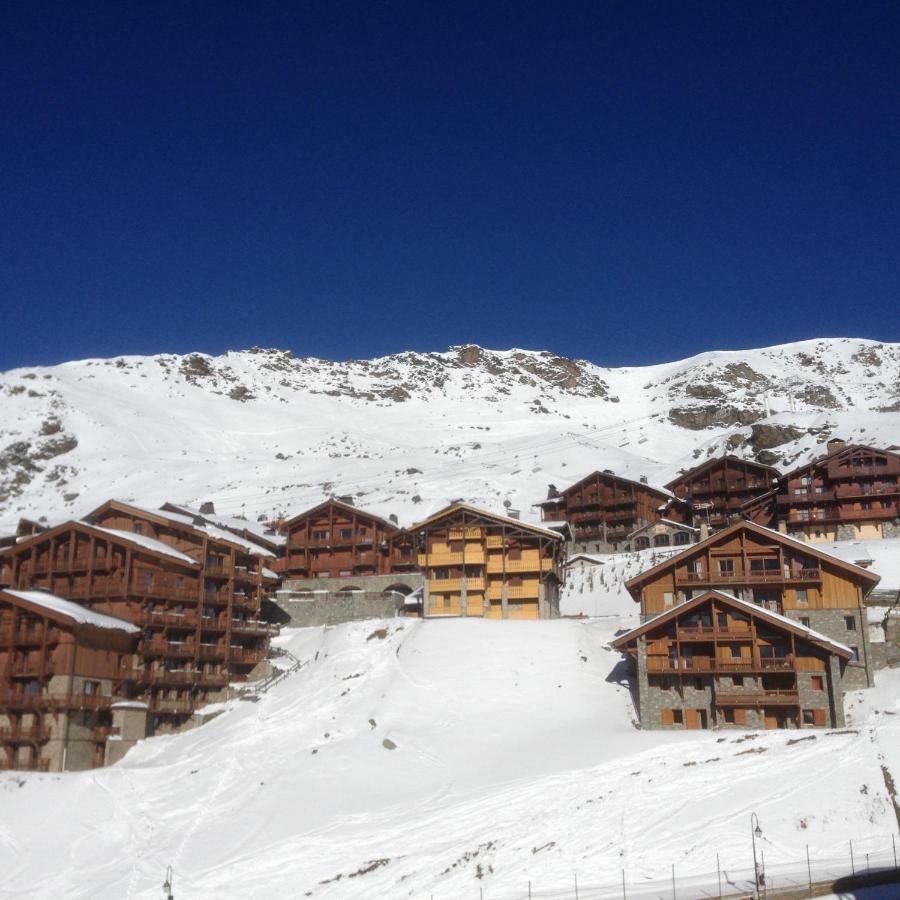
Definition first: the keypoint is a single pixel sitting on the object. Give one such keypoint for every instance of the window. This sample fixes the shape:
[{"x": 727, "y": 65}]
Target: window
[
  {"x": 802, "y": 595},
  {"x": 728, "y": 715},
  {"x": 817, "y": 683},
  {"x": 809, "y": 717},
  {"x": 698, "y": 684},
  {"x": 514, "y": 580},
  {"x": 850, "y": 623},
  {"x": 346, "y": 532},
  {"x": 737, "y": 680},
  {"x": 681, "y": 537},
  {"x": 642, "y": 543},
  {"x": 91, "y": 688},
  {"x": 320, "y": 535},
  {"x": 735, "y": 651},
  {"x": 668, "y": 598},
  {"x": 148, "y": 579},
  {"x": 855, "y": 654},
  {"x": 661, "y": 540},
  {"x": 514, "y": 553},
  {"x": 804, "y": 621},
  {"x": 764, "y": 565},
  {"x": 677, "y": 717},
  {"x": 726, "y": 567},
  {"x": 445, "y": 600},
  {"x": 722, "y": 619},
  {"x": 138, "y": 527}
]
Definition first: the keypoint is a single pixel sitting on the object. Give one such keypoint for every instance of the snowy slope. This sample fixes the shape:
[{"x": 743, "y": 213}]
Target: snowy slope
[
  {"x": 260, "y": 432},
  {"x": 437, "y": 760}
]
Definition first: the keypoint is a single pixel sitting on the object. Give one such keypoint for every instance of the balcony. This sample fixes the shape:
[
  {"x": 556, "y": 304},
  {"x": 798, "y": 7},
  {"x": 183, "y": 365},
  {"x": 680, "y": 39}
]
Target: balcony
[
  {"x": 172, "y": 677},
  {"x": 217, "y": 598},
  {"x": 213, "y": 679},
  {"x": 252, "y": 626},
  {"x": 28, "y": 637},
  {"x": 709, "y": 664},
  {"x": 213, "y": 623},
  {"x": 497, "y": 564},
  {"x": 713, "y": 633},
  {"x": 33, "y": 734},
  {"x": 464, "y": 534},
  {"x": 245, "y": 655},
  {"x": 243, "y": 574},
  {"x": 775, "y": 576},
  {"x": 866, "y": 490},
  {"x": 212, "y": 651},
  {"x": 162, "y": 706},
  {"x": 172, "y": 619},
  {"x": 179, "y": 649},
  {"x": 788, "y": 697},
  {"x": 218, "y": 569},
  {"x": 514, "y": 591}
]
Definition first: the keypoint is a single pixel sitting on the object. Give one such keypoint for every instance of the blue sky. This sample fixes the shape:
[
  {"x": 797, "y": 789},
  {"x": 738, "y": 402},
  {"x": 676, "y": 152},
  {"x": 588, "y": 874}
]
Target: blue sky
[{"x": 620, "y": 181}]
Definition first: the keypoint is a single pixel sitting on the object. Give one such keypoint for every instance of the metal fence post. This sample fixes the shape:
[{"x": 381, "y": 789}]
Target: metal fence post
[
  {"x": 624, "y": 897},
  {"x": 852, "y": 864},
  {"x": 575, "y": 876},
  {"x": 529, "y": 890},
  {"x": 719, "y": 875},
  {"x": 809, "y": 870}
]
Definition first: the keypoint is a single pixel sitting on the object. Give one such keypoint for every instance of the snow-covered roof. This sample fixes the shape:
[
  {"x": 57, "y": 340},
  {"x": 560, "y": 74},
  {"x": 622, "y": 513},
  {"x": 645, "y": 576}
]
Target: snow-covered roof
[
  {"x": 80, "y": 614},
  {"x": 268, "y": 573},
  {"x": 235, "y": 523},
  {"x": 746, "y": 605},
  {"x": 590, "y": 557},
  {"x": 219, "y": 534},
  {"x": 503, "y": 520},
  {"x": 144, "y": 541}
]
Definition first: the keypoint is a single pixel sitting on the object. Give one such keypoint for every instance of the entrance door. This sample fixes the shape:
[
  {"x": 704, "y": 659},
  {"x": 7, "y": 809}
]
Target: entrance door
[
  {"x": 771, "y": 718},
  {"x": 692, "y": 718}
]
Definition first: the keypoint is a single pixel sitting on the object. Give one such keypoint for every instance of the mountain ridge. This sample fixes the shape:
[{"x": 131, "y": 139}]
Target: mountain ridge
[{"x": 261, "y": 431}]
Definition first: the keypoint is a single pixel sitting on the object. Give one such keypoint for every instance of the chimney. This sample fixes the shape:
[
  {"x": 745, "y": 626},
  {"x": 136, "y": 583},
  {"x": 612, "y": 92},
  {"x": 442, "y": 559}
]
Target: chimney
[
  {"x": 393, "y": 518},
  {"x": 644, "y": 479},
  {"x": 836, "y": 444},
  {"x": 552, "y": 492},
  {"x": 513, "y": 513},
  {"x": 207, "y": 509},
  {"x": 704, "y": 531},
  {"x": 346, "y": 498}
]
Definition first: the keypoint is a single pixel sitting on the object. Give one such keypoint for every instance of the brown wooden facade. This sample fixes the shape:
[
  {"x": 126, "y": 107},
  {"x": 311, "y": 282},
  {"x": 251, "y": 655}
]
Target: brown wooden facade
[
  {"x": 195, "y": 597},
  {"x": 59, "y": 669},
  {"x": 337, "y": 540},
  {"x": 477, "y": 563},
  {"x": 714, "y": 492},
  {"x": 772, "y": 571},
  {"x": 718, "y": 661},
  {"x": 604, "y": 509},
  {"x": 853, "y": 492}
]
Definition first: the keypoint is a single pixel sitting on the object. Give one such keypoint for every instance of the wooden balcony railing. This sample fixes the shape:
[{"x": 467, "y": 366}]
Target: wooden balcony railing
[
  {"x": 218, "y": 569},
  {"x": 252, "y": 626},
  {"x": 713, "y": 632},
  {"x": 738, "y": 577},
  {"x": 710, "y": 664},
  {"x": 33, "y": 734},
  {"x": 164, "y": 706},
  {"x": 787, "y": 697},
  {"x": 212, "y": 651}
]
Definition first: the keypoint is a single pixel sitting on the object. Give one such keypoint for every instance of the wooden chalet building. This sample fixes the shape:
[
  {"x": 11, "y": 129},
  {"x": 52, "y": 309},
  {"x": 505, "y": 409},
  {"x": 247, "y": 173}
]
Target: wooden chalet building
[
  {"x": 603, "y": 509},
  {"x": 850, "y": 493},
  {"x": 260, "y": 534},
  {"x": 713, "y": 493},
  {"x": 478, "y": 563},
  {"x": 60, "y": 673},
  {"x": 662, "y": 533},
  {"x": 335, "y": 540},
  {"x": 194, "y": 593},
  {"x": 773, "y": 572},
  {"x": 719, "y": 661}
]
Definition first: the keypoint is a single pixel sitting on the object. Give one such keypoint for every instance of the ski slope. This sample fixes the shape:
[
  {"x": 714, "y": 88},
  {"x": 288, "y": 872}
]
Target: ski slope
[{"x": 419, "y": 759}]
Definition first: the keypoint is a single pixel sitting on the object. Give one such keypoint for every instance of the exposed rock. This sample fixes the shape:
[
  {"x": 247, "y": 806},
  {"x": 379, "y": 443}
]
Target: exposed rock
[
  {"x": 764, "y": 437},
  {"x": 819, "y": 395},
  {"x": 696, "y": 418}
]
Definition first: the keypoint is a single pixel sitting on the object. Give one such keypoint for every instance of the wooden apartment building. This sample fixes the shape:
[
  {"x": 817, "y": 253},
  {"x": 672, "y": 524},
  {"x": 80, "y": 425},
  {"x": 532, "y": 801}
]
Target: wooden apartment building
[
  {"x": 60, "y": 670},
  {"x": 195, "y": 593},
  {"x": 478, "y": 563},
  {"x": 718, "y": 661},
  {"x": 335, "y": 540},
  {"x": 603, "y": 509},
  {"x": 782, "y": 582},
  {"x": 850, "y": 493},
  {"x": 713, "y": 493}
]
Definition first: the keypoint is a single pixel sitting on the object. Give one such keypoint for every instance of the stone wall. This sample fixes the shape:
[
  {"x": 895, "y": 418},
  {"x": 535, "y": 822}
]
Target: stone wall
[
  {"x": 330, "y": 608},
  {"x": 404, "y": 582}
]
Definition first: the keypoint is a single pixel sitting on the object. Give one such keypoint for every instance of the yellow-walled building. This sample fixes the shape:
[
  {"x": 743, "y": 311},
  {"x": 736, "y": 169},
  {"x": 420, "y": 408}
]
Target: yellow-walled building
[{"x": 478, "y": 563}]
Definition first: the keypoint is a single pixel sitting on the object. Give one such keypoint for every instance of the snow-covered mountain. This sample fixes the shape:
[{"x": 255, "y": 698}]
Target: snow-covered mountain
[{"x": 262, "y": 432}]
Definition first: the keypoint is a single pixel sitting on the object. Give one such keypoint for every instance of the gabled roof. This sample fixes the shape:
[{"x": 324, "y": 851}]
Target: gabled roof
[
  {"x": 717, "y": 460},
  {"x": 257, "y": 532},
  {"x": 662, "y": 492},
  {"x": 760, "y": 612},
  {"x": 664, "y": 522},
  {"x": 496, "y": 517},
  {"x": 836, "y": 454},
  {"x": 58, "y": 608},
  {"x": 138, "y": 541},
  {"x": 195, "y": 523},
  {"x": 770, "y": 533},
  {"x": 345, "y": 507}
]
